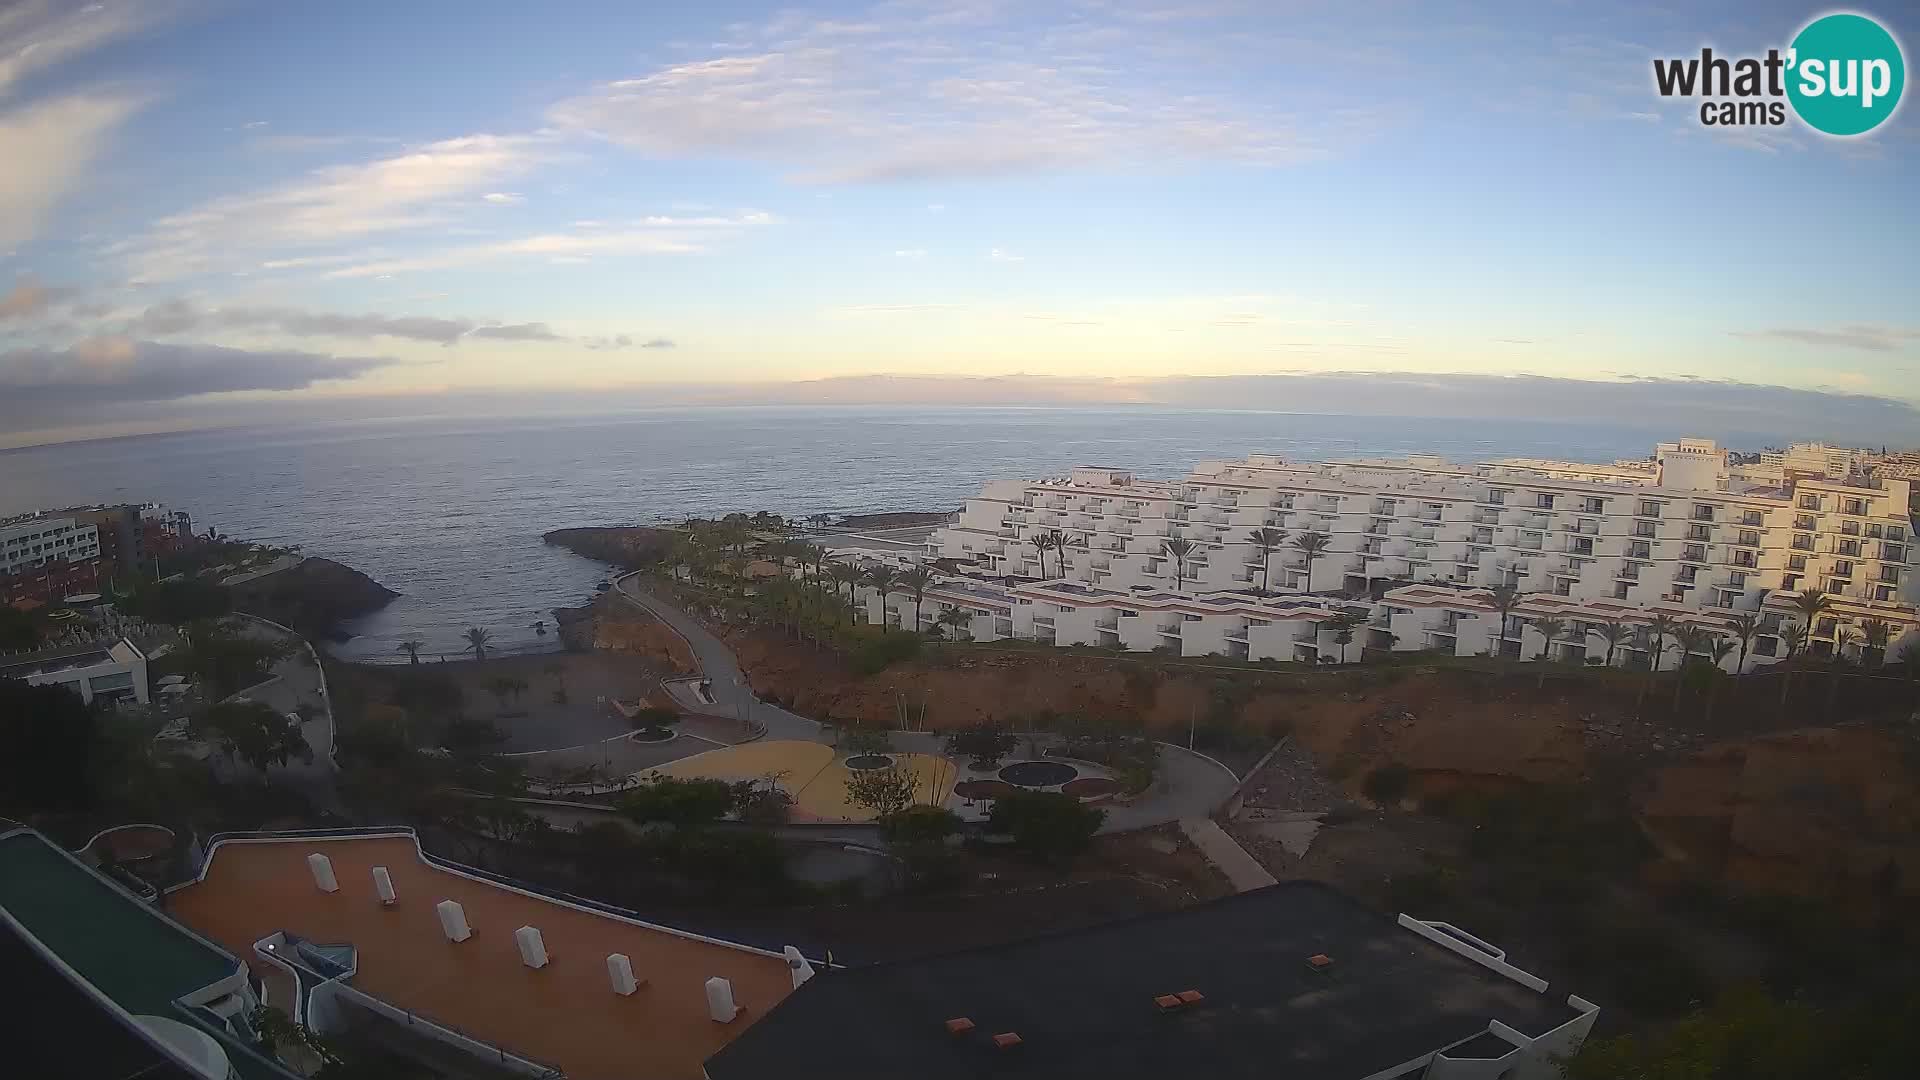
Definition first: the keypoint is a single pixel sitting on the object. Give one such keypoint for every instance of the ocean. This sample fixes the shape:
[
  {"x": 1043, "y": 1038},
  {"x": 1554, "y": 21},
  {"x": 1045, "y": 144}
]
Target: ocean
[{"x": 449, "y": 511}]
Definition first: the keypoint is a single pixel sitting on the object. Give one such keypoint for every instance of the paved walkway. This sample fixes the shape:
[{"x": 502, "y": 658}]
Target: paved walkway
[
  {"x": 297, "y": 680},
  {"x": 1190, "y": 785},
  {"x": 1242, "y": 870}
]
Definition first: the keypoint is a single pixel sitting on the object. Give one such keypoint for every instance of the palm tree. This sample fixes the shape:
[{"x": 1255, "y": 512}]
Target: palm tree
[
  {"x": 1615, "y": 633},
  {"x": 1691, "y": 640},
  {"x": 477, "y": 639},
  {"x": 1874, "y": 635},
  {"x": 1910, "y": 659},
  {"x": 1504, "y": 598},
  {"x": 1795, "y": 635},
  {"x": 1177, "y": 550},
  {"x": 847, "y": 575},
  {"x": 881, "y": 578},
  {"x": 1719, "y": 651},
  {"x": 1744, "y": 627},
  {"x": 1552, "y": 629},
  {"x": 1810, "y": 605},
  {"x": 1343, "y": 626},
  {"x": 1311, "y": 544},
  {"x": 916, "y": 581},
  {"x": 1057, "y": 540},
  {"x": 412, "y": 647},
  {"x": 1266, "y": 540},
  {"x": 1842, "y": 640},
  {"x": 954, "y": 619},
  {"x": 1040, "y": 545},
  {"x": 1659, "y": 628}
]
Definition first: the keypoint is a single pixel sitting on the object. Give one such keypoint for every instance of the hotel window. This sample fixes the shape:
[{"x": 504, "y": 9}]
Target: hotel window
[
  {"x": 1496, "y": 497},
  {"x": 1803, "y": 521},
  {"x": 1693, "y": 553},
  {"x": 1796, "y": 562},
  {"x": 1809, "y": 502},
  {"x": 1873, "y": 532},
  {"x": 1896, "y": 533},
  {"x": 1543, "y": 502},
  {"x": 1883, "y": 593},
  {"x": 1751, "y": 517},
  {"x": 1842, "y": 569},
  {"x": 1620, "y": 590},
  {"x": 1594, "y": 506},
  {"x": 1649, "y": 509},
  {"x": 1890, "y": 573},
  {"x": 1893, "y": 552},
  {"x": 1743, "y": 558},
  {"x": 1688, "y": 574},
  {"x": 1749, "y": 538},
  {"x": 1825, "y": 627},
  {"x": 1645, "y": 528},
  {"x": 1702, "y": 512},
  {"x": 1850, "y": 528},
  {"x": 1802, "y": 542},
  {"x": 1849, "y": 547},
  {"x": 1854, "y": 506},
  {"x": 1790, "y": 583},
  {"x": 1698, "y": 532},
  {"x": 1639, "y": 549}
]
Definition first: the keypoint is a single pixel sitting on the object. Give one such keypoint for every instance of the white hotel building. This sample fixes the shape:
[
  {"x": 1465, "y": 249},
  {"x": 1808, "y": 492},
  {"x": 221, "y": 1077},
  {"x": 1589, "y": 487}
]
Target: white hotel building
[{"x": 1416, "y": 543}]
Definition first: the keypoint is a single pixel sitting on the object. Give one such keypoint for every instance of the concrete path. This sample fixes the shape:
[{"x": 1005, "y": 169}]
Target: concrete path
[
  {"x": 730, "y": 690},
  {"x": 1242, "y": 870},
  {"x": 297, "y": 680}
]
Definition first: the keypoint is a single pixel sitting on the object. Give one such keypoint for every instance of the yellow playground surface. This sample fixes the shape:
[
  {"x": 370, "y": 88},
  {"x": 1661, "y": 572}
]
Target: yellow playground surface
[{"x": 808, "y": 771}]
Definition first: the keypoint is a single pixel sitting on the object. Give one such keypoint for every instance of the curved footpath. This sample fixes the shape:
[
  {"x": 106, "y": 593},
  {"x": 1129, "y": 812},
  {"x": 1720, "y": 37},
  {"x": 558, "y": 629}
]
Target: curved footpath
[{"x": 1190, "y": 786}]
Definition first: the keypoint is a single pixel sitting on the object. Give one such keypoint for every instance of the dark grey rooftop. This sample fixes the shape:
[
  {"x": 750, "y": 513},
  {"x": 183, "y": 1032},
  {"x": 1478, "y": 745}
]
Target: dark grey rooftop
[{"x": 1083, "y": 1002}]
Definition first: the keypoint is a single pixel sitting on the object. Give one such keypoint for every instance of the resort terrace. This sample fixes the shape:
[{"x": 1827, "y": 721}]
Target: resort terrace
[{"x": 564, "y": 1014}]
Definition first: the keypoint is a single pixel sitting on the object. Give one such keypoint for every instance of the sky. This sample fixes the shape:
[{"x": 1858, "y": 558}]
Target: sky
[{"x": 210, "y": 206}]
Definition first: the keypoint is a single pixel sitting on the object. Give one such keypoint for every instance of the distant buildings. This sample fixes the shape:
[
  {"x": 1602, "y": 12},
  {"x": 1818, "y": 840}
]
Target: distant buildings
[
  {"x": 114, "y": 671},
  {"x": 1412, "y": 548},
  {"x": 55, "y": 553}
]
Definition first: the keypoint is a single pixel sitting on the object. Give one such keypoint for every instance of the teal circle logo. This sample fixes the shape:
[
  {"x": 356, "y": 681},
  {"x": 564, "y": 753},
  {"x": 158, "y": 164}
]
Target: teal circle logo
[{"x": 1845, "y": 73}]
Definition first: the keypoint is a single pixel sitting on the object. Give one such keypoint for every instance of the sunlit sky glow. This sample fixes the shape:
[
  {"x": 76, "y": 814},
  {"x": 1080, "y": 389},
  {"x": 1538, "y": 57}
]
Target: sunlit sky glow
[{"x": 204, "y": 197}]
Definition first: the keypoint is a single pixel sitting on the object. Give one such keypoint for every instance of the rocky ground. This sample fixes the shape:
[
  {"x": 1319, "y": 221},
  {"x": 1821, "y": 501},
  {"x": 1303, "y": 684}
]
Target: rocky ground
[{"x": 313, "y": 597}]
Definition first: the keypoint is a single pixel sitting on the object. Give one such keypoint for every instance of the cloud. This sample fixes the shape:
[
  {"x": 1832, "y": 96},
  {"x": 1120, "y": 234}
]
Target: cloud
[
  {"x": 43, "y": 383},
  {"x": 517, "y": 332},
  {"x": 29, "y": 298},
  {"x": 910, "y": 253},
  {"x": 47, "y": 147},
  {"x": 503, "y": 198},
  {"x": 40, "y": 34},
  {"x": 657, "y": 343},
  {"x": 1863, "y": 336},
  {"x": 647, "y": 236},
  {"x": 893, "y": 96},
  {"x": 176, "y": 317},
  {"x": 1000, "y": 256},
  {"x": 401, "y": 192},
  {"x": 623, "y": 341}
]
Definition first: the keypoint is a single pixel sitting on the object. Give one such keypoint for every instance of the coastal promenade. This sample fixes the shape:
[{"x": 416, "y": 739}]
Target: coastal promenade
[{"x": 1191, "y": 785}]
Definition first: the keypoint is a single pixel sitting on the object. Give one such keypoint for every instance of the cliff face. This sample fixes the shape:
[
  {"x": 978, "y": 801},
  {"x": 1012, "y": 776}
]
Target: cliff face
[
  {"x": 1820, "y": 812},
  {"x": 313, "y": 597},
  {"x": 627, "y": 546}
]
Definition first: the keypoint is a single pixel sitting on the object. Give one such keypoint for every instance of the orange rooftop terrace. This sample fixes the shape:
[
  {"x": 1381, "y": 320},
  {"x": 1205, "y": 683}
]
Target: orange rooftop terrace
[{"x": 565, "y": 1014}]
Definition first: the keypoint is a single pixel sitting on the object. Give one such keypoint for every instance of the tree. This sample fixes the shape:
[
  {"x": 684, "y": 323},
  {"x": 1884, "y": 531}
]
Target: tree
[
  {"x": 226, "y": 660},
  {"x": 177, "y": 602},
  {"x": 1041, "y": 543},
  {"x": 253, "y": 733},
  {"x": 1811, "y": 605},
  {"x": 1312, "y": 544},
  {"x": 17, "y": 629},
  {"x": 1552, "y": 629},
  {"x": 412, "y": 647},
  {"x": 1266, "y": 540},
  {"x": 1057, "y": 540},
  {"x": 1692, "y": 641},
  {"x": 1795, "y": 636},
  {"x": 882, "y": 578},
  {"x": 1659, "y": 629},
  {"x": 918, "y": 827},
  {"x": 1615, "y": 633},
  {"x": 1178, "y": 550},
  {"x": 1744, "y": 627},
  {"x": 1046, "y": 824},
  {"x": 1719, "y": 650},
  {"x": 1343, "y": 626},
  {"x": 1504, "y": 598},
  {"x": 500, "y": 687},
  {"x": 847, "y": 576},
  {"x": 884, "y": 792},
  {"x": 862, "y": 739},
  {"x": 1874, "y": 635},
  {"x": 916, "y": 581},
  {"x": 49, "y": 742},
  {"x": 956, "y": 620},
  {"x": 1747, "y": 1035},
  {"x": 698, "y": 801},
  {"x": 477, "y": 639},
  {"x": 983, "y": 744}
]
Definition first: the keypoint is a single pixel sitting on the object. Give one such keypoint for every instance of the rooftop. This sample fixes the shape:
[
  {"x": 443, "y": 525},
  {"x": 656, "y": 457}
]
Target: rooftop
[
  {"x": 565, "y": 1013},
  {"x": 1083, "y": 1003},
  {"x": 133, "y": 954}
]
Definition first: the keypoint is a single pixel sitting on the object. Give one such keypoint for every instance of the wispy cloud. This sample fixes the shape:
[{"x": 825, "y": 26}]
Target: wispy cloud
[
  {"x": 1864, "y": 336},
  {"x": 48, "y": 146},
  {"x": 910, "y": 253},
  {"x": 503, "y": 198},
  {"x": 40, "y": 34},
  {"x": 647, "y": 236},
  {"x": 1002, "y": 256},
  {"x": 28, "y": 299},
  {"x": 177, "y": 317},
  {"x": 329, "y": 206},
  {"x": 890, "y": 95}
]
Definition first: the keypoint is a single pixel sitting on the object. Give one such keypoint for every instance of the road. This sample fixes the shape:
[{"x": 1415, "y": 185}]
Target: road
[
  {"x": 730, "y": 690},
  {"x": 296, "y": 681}
]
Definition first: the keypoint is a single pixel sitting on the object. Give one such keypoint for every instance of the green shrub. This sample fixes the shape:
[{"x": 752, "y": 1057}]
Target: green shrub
[
  {"x": 1046, "y": 824},
  {"x": 983, "y": 744},
  {"x": 679, "y": 802},
  {"x": 874, "y": 650},
  {"x": 921, "y": 826}
]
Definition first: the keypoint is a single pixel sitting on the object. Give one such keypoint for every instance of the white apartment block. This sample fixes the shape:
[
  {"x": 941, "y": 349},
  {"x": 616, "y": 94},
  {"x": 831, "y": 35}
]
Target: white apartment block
[
  {"x": 30, "y": 543},
  {"x": 1416, "y": 543}
]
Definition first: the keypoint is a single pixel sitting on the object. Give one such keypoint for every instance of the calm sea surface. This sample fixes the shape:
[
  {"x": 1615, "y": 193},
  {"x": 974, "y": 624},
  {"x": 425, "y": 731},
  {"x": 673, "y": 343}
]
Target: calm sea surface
[{"x": 449, "y": 511}]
